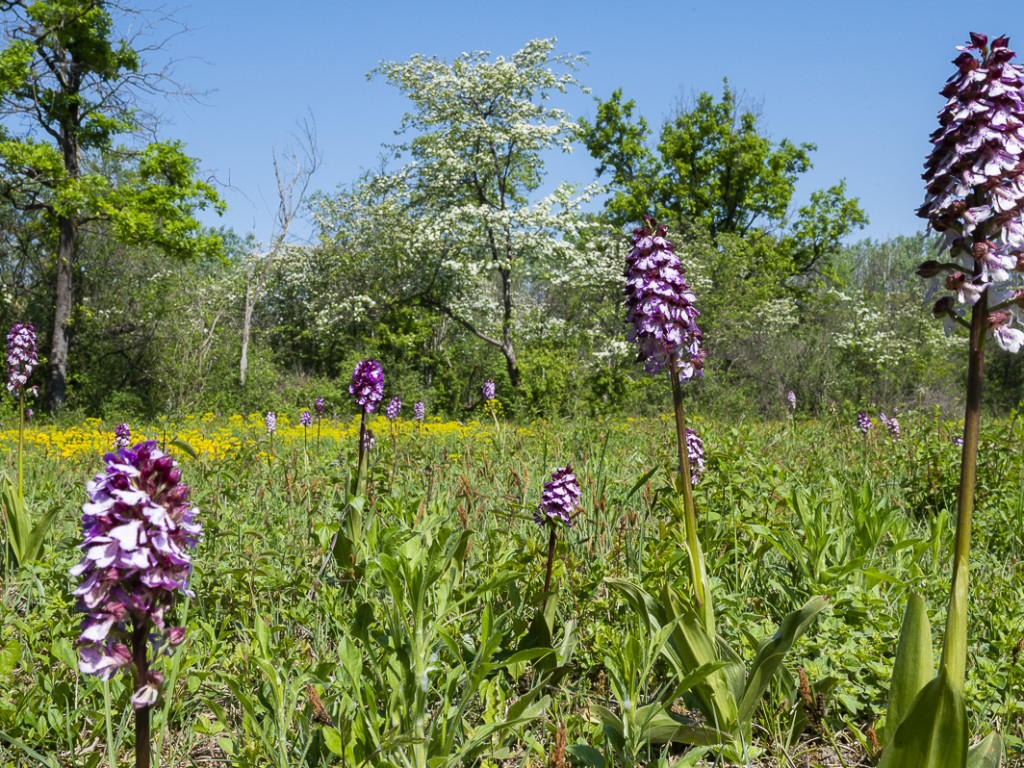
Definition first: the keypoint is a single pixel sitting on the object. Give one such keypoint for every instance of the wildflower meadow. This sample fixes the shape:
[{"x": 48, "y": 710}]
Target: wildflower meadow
[{"x": 359, "y": 577}]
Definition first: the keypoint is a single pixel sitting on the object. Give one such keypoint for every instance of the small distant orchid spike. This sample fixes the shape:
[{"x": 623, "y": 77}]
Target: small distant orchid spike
[
  {"x": 791, "y": 399},
  {"x": 305, "y": 418},
  {"x": 270, "y": 422},
  {"x": 122, "y": 435},
  {"x": 367, "y": 385},
  {"x": 393, "y": 409},
  {"x": 320, "y": 406},
  {"x": 22, "y": 356},
  {"x": 419, "y": 410},
  {"x": 488, "y": 390}
]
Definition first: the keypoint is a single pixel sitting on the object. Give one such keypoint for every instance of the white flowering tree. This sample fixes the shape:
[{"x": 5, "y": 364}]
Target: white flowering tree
[{"x": 460, "y": 228}]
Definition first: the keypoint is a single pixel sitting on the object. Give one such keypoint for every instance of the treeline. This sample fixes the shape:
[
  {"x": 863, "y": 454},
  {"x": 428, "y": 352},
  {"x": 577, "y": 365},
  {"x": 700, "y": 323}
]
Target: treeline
[{"x": 451, "y": 268}]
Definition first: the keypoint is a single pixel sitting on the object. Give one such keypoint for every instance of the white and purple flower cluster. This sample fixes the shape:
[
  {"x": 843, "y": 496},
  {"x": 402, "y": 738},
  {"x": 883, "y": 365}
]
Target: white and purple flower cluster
[
  {"x": 659, "y": 305},
  {"x": 695, "y": 452},
  {"x": 320, "y": 406},
  {"x": 122, "y": 435},
  {"x": 891, "y": 424},
  {"x": 22, "y": 357},
  {"x": 138, "y": 527},
  {"x": 791, "y": 399},
  {"x": 975, "y": 187},
  {"x": 419, "y": 410},
  {"x": 306, "y": 419},
  {"x": 367, "y": 384},
  {"x": 864, "y": 423},
  {"x": 488, "y": 390},
  {"x": 270, "y": 422},
  {"x": 559, "y": 499},
  {"x": 394, "y": 407}
]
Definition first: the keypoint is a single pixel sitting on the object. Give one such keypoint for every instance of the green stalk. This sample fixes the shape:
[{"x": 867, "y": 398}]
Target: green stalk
[
  {"x": 689, "y": 510},
  {"x": 111, "y": 755},
  {"x": 21, "y": 444},
  {"x": 954, "y": 648},
  {"x": 142, "y": 734}
]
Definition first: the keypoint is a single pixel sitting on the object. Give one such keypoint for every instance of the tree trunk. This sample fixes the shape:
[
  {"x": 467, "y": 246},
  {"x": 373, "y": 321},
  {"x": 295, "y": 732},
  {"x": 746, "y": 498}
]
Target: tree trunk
[
  {"x": 243, "y": 366},
  {"x": 56, "y": 389}
]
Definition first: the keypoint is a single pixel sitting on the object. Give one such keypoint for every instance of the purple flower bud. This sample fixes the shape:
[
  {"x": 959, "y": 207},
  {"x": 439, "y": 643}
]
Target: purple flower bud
[
  {"x": 659, "y": 305},
  {"x": 559, "y": 498},
  {"x": 320, "y": 406},
  {"x": 695, "y": 453},
  {"x": 305, "y": 418},
  {"x": 958, "y": 441},
  {"x": 367, "y": 384},
  {"x": 420, "y": 410},
  {"x": 394, "y": 408},
  {"x": 138, "y": 528},
  {"x": 22, "y": 357},
  {"x": 270, "y": 422},
  {"x": 930, "y": 268},
  {"x": 122, "y": 435},
  {"x": 488, "y": 390}
]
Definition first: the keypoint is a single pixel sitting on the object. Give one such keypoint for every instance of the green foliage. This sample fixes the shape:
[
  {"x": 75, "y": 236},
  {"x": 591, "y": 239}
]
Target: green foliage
[{"x": 716, "y": 172}]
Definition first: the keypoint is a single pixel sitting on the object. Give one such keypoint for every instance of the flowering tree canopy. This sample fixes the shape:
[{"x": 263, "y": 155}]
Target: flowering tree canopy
[{"x": 458, "y": 226}]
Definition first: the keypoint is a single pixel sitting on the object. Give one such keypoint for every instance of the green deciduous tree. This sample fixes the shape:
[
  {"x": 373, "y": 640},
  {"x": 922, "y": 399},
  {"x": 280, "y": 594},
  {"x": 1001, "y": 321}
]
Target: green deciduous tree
[
  {"x": 69, "y": 90},
  {"x": 715, "y": 169}
]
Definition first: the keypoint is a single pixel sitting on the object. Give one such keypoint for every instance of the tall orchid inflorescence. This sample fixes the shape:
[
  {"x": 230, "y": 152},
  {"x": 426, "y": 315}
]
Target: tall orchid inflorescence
[
  {"x": 122, "y": 435},
  {"x": 306, "y": 419},
  {"x": 320, "y": 406},
  {"x": 419, "y": 410},
  {"x": 488, "y": 390},
  {"x": 659, "y": 305},
  {"x": 975, "y": 197},
  {"x": 791, "y": 399},
  {"x": 975, "y": 189},
  {"x": 557, "y": 504},
  {"x": 559, "y": 499},
  {"x": 864, "y": 423},
  {"x": 270, "y": 422},
  {"x": 22, "y": 356},
  {"x": 393, "y": 409},
  {"x": 367, "y": 385},
  {"x": 138, "y": 526}
]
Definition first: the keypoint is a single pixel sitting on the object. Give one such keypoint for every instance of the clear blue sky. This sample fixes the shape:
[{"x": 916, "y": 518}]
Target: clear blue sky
[{"x": 858, "y": 79}]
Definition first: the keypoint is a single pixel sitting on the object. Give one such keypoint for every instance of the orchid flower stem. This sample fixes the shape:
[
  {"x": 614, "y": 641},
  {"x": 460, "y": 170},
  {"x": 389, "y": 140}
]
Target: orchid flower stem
[
  {"x": 690, "y": 513},
  {"x": 21, "y": 445},
  {"x": 551, "y": 556},
  {"x": 954, "y": 649},
  {"x": 108, "y": 711},
  {"x": 139, "y": 649}
]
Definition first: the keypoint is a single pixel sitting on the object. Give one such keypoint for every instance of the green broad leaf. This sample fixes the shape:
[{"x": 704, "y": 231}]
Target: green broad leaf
[
  {"x": 587, "y": 755},
  {"x": 36, "y": 539},
  {"x": 334, "y": 741},
  {"x": 987, "y": 753},
  {"x": 9, "y": 657},
  {"x": 933, "y": 732},
  {"x": 184, "y": 446},
  {"x": 772, "y": 651},
  {"x": 914, "y": 666}
]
